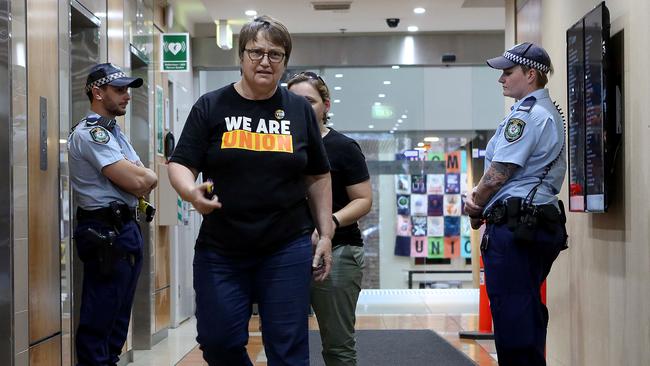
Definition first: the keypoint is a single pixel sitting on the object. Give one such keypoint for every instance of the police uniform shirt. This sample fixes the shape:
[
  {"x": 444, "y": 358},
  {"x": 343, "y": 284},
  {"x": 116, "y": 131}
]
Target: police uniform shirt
[
  {"x": 532, "y": 137},
  {"x": 257, "y": 152},
  {"x": 91, "y": 148}
]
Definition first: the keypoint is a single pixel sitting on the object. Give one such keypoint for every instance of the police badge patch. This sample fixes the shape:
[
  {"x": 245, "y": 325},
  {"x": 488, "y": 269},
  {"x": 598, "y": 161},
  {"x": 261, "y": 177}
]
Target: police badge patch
[
  {"x": 514, "y": 129},
  {"x": 99, "y": 135}
]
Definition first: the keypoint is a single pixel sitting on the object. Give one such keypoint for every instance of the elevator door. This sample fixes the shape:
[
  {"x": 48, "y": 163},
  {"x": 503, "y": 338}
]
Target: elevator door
[{"x": 84, "y": 54}]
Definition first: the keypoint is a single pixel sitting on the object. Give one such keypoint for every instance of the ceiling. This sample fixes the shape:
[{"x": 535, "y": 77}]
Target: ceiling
[{"x": 364, "y": 16}]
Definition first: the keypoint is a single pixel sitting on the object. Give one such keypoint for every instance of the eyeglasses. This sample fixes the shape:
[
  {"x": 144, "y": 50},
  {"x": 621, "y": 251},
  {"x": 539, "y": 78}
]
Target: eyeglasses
[
  {"x": 310, "y": 75},
  {"x": 256, "y": 54}
]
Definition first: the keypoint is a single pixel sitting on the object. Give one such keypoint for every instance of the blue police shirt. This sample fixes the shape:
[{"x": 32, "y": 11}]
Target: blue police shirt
[
  {"x": 531, "y": 136},
  {"x": 92, "y": 147}
]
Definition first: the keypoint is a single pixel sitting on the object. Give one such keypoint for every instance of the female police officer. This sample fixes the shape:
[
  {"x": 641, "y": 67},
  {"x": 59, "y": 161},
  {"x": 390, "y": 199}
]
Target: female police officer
[
  {"x": 108, "y": 178},
  {"x": 516, "y": 197}
]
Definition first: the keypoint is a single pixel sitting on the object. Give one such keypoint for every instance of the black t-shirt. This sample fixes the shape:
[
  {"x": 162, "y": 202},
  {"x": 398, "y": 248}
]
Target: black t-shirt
[
  {"x": 348, "y": 167},
  {"x": 257, "y": 152}
]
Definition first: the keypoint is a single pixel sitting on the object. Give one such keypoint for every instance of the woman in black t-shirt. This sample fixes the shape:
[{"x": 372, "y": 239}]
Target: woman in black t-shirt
[
  {"x": 261, "y": 149},
  {"x": 334, "y": 300}
]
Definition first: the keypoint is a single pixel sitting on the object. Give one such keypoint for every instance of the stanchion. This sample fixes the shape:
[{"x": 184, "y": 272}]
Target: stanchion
[{"x": 484, "y": 315}]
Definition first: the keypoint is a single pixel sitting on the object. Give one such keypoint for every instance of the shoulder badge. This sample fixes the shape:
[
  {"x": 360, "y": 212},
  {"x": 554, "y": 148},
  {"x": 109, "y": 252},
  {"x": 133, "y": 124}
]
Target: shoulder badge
[
  {"x": 514, "y": 129},
  {"x": 527, "y": 104},
  {"x": 99, "y": 135}
]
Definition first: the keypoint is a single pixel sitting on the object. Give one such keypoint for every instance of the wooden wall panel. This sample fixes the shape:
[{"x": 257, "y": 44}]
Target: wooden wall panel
[
  {"x": 44, "y": 252},
  {"x": 162, "y": 257},
  {"x": 47, "y": 353},
  {"x": 162, "y": 309}
]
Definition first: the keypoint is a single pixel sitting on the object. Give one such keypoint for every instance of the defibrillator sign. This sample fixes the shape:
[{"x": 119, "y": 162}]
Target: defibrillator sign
[{"x": 175, "y": 52}]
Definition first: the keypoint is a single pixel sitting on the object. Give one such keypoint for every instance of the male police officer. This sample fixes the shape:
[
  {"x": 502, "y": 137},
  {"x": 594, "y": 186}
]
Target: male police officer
[
  {"x": 516, "y": 197},
  {"x": 108, "y": 178}
]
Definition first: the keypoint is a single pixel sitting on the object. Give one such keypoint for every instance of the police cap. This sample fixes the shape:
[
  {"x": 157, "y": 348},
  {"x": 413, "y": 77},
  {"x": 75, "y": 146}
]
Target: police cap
[
  {"x": 109, "y": 74},
  {"x": 527, "y": 54}
]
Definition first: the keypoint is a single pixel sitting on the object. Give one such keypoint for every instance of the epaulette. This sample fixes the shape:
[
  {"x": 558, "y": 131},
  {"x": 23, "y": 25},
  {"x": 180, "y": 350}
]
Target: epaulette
[
  {"x": 527, "y": 104},
  {"x": 97, "y": 120}
]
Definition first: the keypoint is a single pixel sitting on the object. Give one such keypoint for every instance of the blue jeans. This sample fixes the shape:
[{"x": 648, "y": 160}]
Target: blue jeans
[
  {"x": 514, "y": 273},
  {"x": 226, "y": 288}
]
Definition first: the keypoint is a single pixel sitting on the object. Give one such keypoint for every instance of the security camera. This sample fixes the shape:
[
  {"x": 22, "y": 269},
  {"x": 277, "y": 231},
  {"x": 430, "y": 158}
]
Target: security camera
[{"x": 392, "y": 22}]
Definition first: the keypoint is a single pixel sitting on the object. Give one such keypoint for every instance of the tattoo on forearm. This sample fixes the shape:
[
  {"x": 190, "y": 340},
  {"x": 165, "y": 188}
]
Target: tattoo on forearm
[{"x": 493, "y": 179}]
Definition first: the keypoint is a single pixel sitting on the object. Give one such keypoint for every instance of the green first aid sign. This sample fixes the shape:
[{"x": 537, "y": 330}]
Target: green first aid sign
[{"x": 175, "y": 52}]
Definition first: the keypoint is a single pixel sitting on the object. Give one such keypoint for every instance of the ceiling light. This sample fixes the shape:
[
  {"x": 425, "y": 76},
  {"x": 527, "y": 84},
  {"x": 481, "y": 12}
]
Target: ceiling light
[
  {"x": 330, "y": 114},
  {"x": 432, "y": 139},
  {"x": 337, "y": 88},
  {"x": 404, "y": 116},
  {"x": 371, "y": 126},
  {"x": 400, "y": 121},
  {"x": 394, "y": 129},
  {"x": 386, "y": 82},
  {"x": 377, "y": 103},
  {"x": 381, "y": 95},
  {"x": 395, "y": 67},
  {"x": 224, "y": 34},
  {"x": 252, "y": 13},
  {"x": 412, "y": 28},
  {"x": 337, "y": 100},
  {"x": 420, "y": 144},
  {"x": 391, "y": 131},
  {"x": 419, "y": 10},
  {"x": 338, "y": 75}
]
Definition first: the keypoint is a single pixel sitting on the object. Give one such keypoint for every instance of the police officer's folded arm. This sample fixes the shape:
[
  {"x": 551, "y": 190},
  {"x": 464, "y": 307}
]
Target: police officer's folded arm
[
  {"x": 131, "y": 178},
  {"x": 494, "y": 178}
]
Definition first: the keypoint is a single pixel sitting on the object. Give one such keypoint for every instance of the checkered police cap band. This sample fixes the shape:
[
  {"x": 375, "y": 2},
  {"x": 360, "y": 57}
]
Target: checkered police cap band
[
  {"x": 526, "y": 61},
  {"x": 105, "y": 80}
]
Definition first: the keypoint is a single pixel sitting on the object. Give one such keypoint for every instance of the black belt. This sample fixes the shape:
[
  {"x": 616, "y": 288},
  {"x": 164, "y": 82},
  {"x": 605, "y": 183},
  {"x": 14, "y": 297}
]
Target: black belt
[
  {"x": 498, "y": 213},
  {"x": 107, "y": 215}
]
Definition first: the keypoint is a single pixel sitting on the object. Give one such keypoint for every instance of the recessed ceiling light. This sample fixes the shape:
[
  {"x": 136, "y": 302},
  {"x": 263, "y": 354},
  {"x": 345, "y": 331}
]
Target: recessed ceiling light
[
  {"x": 394, "y": 128},
  {"x": 404, "y": 116},
  {"x": 250, "y": 13},
  {"x": 419, "y": 10},
  {"x": 338, "y": 75},
  {"x": 395, "y": 67},
  {"x": 386, "y": 82},
  {"x": 381, "y": 95},
  {"x": 377, "y": 103},
  {"x": 432, "y": 139},
  {"x": 413, "y": 28},
  {"x": 400, "y": 121},
  {"x": 420, "y": 144},
  {"x": 371, "y": 126},
  {"x": 283, "y": 84},
  {"x": 337, "y": 88},
  {"x": 337, "y": 100},
  {"x": 391, "y": 131}
]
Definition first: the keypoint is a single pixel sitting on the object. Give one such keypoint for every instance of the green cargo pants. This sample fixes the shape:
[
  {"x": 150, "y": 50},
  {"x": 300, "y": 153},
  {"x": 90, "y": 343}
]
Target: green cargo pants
[{"x": 334, "y": 301}]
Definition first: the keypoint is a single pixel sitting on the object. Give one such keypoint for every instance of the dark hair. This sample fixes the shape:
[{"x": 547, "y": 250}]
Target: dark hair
[
  {"x": 272, "y": 29},
  {"x": 542, "y": 78},
  {"x": 314, "y": 80}
]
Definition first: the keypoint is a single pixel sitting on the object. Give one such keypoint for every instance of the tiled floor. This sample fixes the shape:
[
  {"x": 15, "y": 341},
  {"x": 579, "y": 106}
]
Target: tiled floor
[{"x": 444, "y": 311}]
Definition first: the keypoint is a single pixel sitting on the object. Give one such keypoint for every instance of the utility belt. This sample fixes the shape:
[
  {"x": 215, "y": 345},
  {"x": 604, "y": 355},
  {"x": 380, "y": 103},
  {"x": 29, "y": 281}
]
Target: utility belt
[
  {"x": 102, "y": 246},
  {"x": 117, "y": 214},
  {"x": 524, "y": 219}
]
